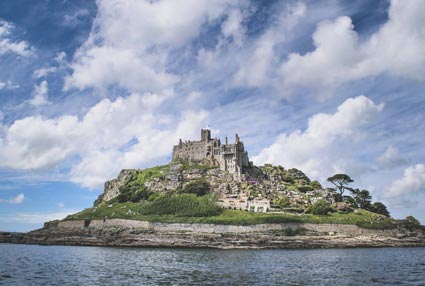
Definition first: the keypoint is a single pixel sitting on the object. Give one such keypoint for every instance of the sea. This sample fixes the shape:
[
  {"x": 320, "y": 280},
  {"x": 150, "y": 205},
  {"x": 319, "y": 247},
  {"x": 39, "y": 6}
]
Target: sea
[{"x": 78, "y": 265}]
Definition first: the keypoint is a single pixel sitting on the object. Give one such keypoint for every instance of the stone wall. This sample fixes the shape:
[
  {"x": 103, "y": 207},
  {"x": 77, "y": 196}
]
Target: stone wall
[
  {"x": 343, "y": 229},
  {"x": 71, "y": 224}
]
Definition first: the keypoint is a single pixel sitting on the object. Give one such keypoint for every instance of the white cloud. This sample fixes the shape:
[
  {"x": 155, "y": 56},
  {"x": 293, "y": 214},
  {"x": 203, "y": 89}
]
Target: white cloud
[
  {"x": 7, "y": 45},
  {"x": 41, "y": 93},
  {"x": 16, "y": 200},
  {"x": 326, "y": 145},
  {"x": 130, "y": 42},
  {"x": 257, "y": 68},
  {"x": 413, "y": 181},
  {"x": 76, "y": 18},
  {"x": 101, "y": 67},
  {"x": 43, "y": 72},
  {"x": 8, "y": 85},
  {"x": 333, "y": 60},
  {"x": 37, "y": 218},
  {"x": 99, "y": 165},
  {"x": 392, "y": 158},
  {"x": 60, "y": 205},
  {"x": 339, "y": 57},
  {"x": 233, "y": 27},
  {"x": 125, "y": 133}
]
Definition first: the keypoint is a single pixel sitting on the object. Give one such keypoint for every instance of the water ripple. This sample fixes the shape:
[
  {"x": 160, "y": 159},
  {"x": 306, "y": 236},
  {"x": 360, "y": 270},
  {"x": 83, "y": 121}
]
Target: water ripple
[{"x": 71, "y": 265}]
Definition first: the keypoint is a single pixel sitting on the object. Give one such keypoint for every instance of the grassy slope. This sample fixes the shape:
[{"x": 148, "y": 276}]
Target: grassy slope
[{"x": 133, "y": 211}]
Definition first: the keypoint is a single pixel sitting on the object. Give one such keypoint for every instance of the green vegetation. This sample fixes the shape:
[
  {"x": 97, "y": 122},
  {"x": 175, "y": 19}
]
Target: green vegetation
[
  {"x": 199, "y": 187},
  {"x": 182, "y": 205},
  {"x": 186, "y": 165},
  {"x": 379, "y": 208},
  {"x": 134, "y": 189},
  {"x": 192, "y": 201},
  {"x": 138, "y": 211},
  {"x": 359, "y": 199},
  {"x": 321, "y": 207},
  {"x": 282, "y": 202},
  {"x": 179, "y": 205},
  {"x": 340, "y": 181}
]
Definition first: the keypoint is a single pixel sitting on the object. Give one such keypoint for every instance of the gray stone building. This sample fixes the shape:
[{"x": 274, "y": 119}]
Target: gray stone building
[{"x": 229, "y": 157}]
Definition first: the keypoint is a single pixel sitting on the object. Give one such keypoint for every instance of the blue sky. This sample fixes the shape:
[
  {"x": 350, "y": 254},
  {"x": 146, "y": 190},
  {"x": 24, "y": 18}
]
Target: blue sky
[{"x": 88, "y": 88}]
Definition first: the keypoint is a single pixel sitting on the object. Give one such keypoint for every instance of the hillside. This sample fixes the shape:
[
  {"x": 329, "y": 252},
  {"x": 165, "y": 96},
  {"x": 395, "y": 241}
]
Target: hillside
[
  {"x": 195, "y": 204},
  {"x": 196, "y": 192}
]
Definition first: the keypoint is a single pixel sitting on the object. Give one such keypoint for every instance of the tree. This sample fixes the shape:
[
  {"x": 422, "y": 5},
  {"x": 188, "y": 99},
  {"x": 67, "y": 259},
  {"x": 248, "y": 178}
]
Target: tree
[
  {"x": 350, "y": 201},
  {"x": 320, "y": 207},
  {"x": 295, "y": 175},
  {"x": 412, "y": 220},
  {"x": 316, "y": 185},
  {"x": 362, "y": 198},
  {"x": 340, "y": 181},
  {"x": 379, "y": 208}
]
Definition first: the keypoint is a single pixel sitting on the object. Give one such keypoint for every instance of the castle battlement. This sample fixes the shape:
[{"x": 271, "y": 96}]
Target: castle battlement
[{"x": 229, "y": 157}]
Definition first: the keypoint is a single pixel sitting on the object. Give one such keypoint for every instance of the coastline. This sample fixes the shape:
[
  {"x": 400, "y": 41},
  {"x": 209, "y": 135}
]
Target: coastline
[{"x": 132, "y": 233}]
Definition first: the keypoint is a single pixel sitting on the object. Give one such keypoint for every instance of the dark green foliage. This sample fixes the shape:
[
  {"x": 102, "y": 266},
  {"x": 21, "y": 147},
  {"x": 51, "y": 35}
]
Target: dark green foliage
[
  {"x": 296, "y": 175},
  {"x": 305, "y": 188},
  {"x": 320, "y": 207},
  {"x": 123, "y": 196},
  {"x": 362, "y": 198},
  {"x": 183, "y": 205},
  {"x": 133, "y": 193},
  {"x": 349, "y": 200},
  {"x": 340, "y": 181},
  {"x": 316, "y": 185},
  {"x": 337, "y": 197},
  {"x": 412, "y": 220},
  {"x": 379, "y": 208},
  {"x": 198, "y": 187},
  {"x": 412, "y": 223},
  {"x": 290, "y": 232},
  {"x": 134, "y": 189}
]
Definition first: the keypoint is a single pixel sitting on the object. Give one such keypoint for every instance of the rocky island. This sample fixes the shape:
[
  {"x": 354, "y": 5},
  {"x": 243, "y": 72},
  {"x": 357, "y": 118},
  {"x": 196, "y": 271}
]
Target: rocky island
[{"x": 212, "y": 196}]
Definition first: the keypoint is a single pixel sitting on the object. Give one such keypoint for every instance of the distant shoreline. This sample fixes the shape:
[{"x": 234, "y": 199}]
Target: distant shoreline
[{"x": 131, "y": 233}]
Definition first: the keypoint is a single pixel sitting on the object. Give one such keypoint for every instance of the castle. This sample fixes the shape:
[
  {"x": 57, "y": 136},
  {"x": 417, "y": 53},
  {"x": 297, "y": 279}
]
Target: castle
[{"x": 229, "y": 157}]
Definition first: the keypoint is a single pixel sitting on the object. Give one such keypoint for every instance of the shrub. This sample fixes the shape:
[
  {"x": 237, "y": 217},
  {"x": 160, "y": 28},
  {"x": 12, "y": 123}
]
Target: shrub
[
  {"x": 379, "y": 208},
  {"x": 199, "y": 187},
  {"x": 282, "y": 202},
  {"x": 320, "y": 207},
  {"x": 305, "y": 188},
  {"x": 412, "y": 220},
  {"x": 316, "y": 185},
  {"x": 183, "y": 205}
]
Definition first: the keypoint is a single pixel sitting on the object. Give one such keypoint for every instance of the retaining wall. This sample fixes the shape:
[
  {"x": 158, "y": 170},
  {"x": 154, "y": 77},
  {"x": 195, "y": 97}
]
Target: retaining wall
[{"x": 217, "y": 228}]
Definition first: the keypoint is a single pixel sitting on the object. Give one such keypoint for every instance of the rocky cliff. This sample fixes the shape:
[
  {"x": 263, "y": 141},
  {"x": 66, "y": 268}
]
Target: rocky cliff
[
  {"x": 181, "y": 205},
  {"x": 266, "y": 182},
  {"x": 131, "y": 233}
]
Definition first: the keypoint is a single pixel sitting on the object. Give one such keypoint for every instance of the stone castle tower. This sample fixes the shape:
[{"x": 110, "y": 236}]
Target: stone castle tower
[{"x": 229, "y": 157}]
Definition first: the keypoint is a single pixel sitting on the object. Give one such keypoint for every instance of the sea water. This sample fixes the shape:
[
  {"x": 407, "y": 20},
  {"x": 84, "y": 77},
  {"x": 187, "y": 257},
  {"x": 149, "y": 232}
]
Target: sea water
[{"x": 74, "y": 265}]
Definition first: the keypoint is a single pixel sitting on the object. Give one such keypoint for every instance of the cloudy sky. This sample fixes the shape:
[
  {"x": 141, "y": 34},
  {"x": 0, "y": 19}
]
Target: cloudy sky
[{"x": 88, "y": 88}]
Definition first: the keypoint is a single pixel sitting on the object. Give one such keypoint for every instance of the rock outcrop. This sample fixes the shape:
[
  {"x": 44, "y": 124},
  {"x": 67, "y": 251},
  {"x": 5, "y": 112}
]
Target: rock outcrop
[
  {"x": 256, "y": 183},
  {"x": 130, "y": 233}
]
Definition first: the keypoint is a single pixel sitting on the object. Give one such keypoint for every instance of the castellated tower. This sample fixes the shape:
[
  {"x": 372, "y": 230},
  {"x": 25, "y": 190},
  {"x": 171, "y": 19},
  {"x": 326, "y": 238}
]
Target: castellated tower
[{"x": 229, "y": 157}]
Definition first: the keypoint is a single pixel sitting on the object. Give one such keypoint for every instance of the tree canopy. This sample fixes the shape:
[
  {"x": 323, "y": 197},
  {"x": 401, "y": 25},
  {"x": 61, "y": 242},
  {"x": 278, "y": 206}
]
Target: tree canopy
[{"x": 340, "y": 181}]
